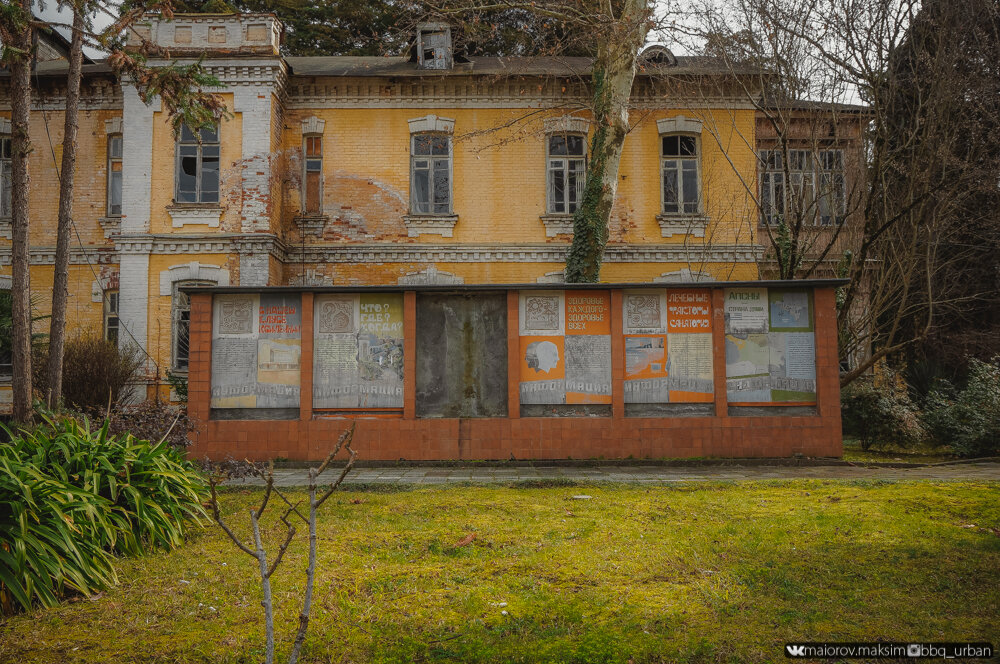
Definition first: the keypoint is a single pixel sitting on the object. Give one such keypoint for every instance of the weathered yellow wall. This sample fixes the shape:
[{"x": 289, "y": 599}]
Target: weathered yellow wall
[{"x": 500, "y": 178}]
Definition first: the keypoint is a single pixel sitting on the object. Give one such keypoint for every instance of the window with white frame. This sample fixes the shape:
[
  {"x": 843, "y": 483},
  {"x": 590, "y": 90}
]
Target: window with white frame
[
  {"x": 681, "y": 174},
  {"x": 809, "y": 186},
  {"x": 180, "y": 315},
  {"x": 5, "y": 184},
  {"x": 111, "y": 321},
  {"x": 312, "y": 150},
  {"x": 114, "y": 175},
  {"x": 430, "y": 174},
  {"x": 198, "y": 165},
  {"x": 567, "y": 172}
]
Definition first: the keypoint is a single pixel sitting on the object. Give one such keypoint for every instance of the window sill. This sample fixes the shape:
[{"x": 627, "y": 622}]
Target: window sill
[
  {"x": 311, "y": 224},
  {"x": 557, "y": 224},
  {"x": 111, "y": 225},
  {"x": 430, "y": 224},
  {"x": 183, "y": 214},
  {"x": 682, "y": 224}
]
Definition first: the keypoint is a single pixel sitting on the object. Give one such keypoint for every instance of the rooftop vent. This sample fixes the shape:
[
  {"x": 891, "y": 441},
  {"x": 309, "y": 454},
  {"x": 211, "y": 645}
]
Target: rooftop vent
[
  {"x": 657, "y": 54},
  {"x": 434, "y": 50}
]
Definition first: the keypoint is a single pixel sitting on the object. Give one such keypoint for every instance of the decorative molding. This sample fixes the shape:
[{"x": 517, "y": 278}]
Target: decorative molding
[
  {"x": 567, "y": 123},
  {"x": 313, "y": 125},
  {"x": 4, "y": 126},
  {"x": 77, "y": 256},
  {"x": 6, "y": 227},
  {"x": 431, "y": 123},
  {"x": 112, "y": 226},
  {"x": 193, "y": 271},
  {"x": 113, "y": 126},
  {"x": 683, "y": 275},
  {"x": 443, "y": 225},
  {"x": 679, "y": 125},
  {"x": 680, "y": 224},
  {"x": 557, "y": 224},
  {"x": 312, "y": 224},
  {"x": 183, "y": 215},
  {"x": 431, "y": 276},
  {"x": 537, "y": 253}
]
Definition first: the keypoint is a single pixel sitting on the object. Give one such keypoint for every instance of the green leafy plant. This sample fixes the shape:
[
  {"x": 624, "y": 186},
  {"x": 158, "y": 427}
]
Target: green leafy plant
[
  {"x": 878, "y": 410},
  {"x": 967, "y": 420},
  {"x": 71, "y": 498}
]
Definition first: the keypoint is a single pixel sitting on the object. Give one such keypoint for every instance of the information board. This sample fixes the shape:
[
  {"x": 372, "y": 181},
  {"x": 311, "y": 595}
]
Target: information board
[
  {"x": 256, "y": 350},
  {"x": 565, "y": 347},
  {"x": 358, "y": 351},
  {"x": 770, "y": 346},
  {"x": 668, "y": 346}
]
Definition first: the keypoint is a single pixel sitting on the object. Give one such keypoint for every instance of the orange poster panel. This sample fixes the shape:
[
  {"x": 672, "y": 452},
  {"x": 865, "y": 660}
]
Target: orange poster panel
[
  {"x": 645, "y": 356},
  {"x": 588, "y": 312},
  {"x": 542, "y": 358},
  {"x": 689, "y": 310}
]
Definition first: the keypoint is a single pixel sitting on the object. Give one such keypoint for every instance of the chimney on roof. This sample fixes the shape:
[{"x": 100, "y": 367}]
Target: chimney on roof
[{"x": 434, "y": 49}]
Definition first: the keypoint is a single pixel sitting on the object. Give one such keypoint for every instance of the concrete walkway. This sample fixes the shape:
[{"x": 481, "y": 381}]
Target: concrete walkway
[{"x": 974, "y": 472}]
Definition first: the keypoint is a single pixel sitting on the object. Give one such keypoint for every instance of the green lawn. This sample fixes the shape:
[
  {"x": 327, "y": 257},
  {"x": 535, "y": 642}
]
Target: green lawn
[
  {"x": 922, "y": 454},
  {"x": 692, "y": 573}
]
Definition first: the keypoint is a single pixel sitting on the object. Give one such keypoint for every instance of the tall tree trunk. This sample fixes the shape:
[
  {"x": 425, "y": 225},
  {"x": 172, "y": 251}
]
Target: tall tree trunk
[
  {"x": 60, "y": 280},
  {"x": 612, "y": 77},
  {"x": 20, "y": 90}
]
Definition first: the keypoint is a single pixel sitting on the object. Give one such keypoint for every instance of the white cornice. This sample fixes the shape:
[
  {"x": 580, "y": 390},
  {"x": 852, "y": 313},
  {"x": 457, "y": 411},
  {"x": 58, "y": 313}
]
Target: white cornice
[{"x": 390, "y": 252}]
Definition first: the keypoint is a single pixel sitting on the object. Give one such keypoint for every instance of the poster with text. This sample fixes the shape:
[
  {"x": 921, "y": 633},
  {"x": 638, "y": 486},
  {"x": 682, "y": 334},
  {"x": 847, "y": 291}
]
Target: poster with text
[
  {"x": 668, "y": 346},
  {"x": 256, "y": 350},
  {"x": 358, "y": 351},
  {"x": 746, "y": 310},
  {"x": 565, "y": 343}
]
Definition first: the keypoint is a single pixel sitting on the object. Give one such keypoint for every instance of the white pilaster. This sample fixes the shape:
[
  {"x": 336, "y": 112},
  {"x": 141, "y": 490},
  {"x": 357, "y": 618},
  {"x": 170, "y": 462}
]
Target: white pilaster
[
  {"x": 137, "y": 160},
  {"x": 133, "y": 296}
]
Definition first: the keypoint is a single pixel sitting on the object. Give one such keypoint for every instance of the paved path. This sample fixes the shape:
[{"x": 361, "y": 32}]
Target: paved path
[{"x": 979, "y": 472}]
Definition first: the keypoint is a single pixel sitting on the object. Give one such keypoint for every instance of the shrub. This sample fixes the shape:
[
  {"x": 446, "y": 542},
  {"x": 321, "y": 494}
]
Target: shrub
[
  {"x": 878, "y": 410},
  {"x": 968, "y": 420},
  {"x": 150, "y": 420},
  {"x": 94, "y": 371},
  {"x": 70, "y": 498}
]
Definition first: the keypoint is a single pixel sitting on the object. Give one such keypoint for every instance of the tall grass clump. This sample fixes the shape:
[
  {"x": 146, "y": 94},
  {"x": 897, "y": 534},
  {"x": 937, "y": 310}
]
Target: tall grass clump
[{"x": 72, "y": 498}]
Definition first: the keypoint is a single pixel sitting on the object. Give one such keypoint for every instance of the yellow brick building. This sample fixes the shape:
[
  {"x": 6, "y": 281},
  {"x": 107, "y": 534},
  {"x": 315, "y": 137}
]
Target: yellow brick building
[{"x": 372, "y": 170}]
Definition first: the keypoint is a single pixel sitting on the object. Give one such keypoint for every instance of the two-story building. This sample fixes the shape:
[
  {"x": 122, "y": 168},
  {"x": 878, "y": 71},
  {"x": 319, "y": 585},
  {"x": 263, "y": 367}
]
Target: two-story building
[{"x": 423, "y": 168}]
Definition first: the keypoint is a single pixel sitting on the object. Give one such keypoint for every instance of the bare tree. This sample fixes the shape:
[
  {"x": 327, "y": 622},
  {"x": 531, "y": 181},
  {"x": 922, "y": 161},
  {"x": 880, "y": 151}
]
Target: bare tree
[
  {"x": 804, "y": 60},
  {"x": 17, "y": 34},
  {"x": 179, "y": 87},
  {"x": 613, "y": 33},
  {"x": 291, "y": 511},
  {"x": 67, "y": 174}
]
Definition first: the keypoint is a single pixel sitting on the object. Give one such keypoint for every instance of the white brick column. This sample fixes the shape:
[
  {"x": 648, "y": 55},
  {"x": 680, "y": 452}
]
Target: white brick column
[
  {"x": 254, "y": 102},
  {"x": 133, "y": 291},
  {"x": 137, "y": 160}
]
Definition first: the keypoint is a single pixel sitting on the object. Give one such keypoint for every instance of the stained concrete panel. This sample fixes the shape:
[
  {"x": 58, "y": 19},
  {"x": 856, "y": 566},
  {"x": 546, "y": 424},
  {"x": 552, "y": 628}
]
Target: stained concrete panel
[{"x": 461, "y": 355}]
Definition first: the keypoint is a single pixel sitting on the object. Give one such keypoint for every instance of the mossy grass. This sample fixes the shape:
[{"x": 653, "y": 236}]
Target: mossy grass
[
  {"x": 700, "y": 572},
  {"x": 890, "y": 453}
]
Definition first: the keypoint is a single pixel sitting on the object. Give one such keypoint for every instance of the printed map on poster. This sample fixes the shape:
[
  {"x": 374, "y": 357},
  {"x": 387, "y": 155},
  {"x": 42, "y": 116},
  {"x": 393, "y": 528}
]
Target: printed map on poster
[
  {"x": 675, "y": 367},
  {"x": 358, "y": 351},
  {"x": 565, "y": 347},
  {"x": 256, "y": 351},
  {"x": 777, "y": 366}
]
